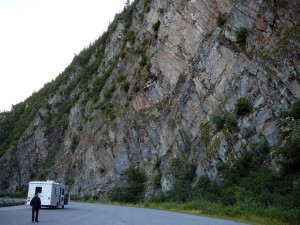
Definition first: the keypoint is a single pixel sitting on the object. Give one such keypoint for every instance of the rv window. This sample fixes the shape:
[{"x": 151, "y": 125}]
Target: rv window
[
  {"x": 63, "y": 191},
  {"x": 60, "y": 191},
  {"x": 38, "y": 189},
  {"x": 54, "y": 190}
]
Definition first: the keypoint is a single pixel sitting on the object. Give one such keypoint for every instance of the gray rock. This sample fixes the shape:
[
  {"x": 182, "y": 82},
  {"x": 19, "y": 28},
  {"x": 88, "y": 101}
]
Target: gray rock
[{"x": 167, "y": 183}]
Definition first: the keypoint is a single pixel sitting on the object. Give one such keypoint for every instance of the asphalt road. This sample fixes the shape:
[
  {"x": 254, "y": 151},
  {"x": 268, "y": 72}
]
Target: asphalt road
[{"x": 95, "y": 214}]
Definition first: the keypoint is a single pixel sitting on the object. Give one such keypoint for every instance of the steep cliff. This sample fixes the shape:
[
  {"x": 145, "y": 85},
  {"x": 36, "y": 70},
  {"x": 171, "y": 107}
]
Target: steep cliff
[{"x": 203, "y": 81}]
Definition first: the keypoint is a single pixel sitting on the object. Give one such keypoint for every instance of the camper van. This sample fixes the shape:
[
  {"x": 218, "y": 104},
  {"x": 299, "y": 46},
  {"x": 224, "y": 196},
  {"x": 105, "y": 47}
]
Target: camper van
[{"x": 52, "y": 194}]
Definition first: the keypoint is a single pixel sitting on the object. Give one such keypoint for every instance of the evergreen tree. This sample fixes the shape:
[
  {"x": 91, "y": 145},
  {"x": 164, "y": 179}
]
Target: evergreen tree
[{"x": 127, "y": 5}]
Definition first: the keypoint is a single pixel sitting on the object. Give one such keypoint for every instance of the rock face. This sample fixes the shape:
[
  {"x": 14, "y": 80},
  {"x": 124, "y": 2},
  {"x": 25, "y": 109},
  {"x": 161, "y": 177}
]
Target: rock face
[{"x": 166, "y": 73}]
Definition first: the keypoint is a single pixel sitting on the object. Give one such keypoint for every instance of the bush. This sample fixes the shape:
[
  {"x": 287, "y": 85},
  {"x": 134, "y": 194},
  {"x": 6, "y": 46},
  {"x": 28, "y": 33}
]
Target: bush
[
  {"x": 184, "y": 174},
  {"x": 261, "y": 149},
  {"x": 230, "y": 122},
  {"x": 100, "y": 82},
  {"x": 156, "y": 26},
  {"x": 134, "y": 190},
  {"x": 229, "y": 195},
  {"x": 241, "y": 35},
  {"x": 221, "y": 20},
  {"x": 206, "y": 189},
  {"x": 8, "y": 120},
  {"x": 109, "y": 92},
  {"x": 130, "y": 37},
  {"x": 289, "y": 121},
  {"x": 141, "y": 17},
  {"x": 241, "y": 168},
  {"x": 84, "y": 56},
  {"x": 147, "y": 5},
  {"x": 136, "y": 89},
  {"x": 289, "y": 126},
  {"x": 73, "y": 143},
  {"x": 219, "y": 121},
  {"x": 295, "y": 110},
  {"x": 125, "y": 86},
  {"x": 156, "y": 180},
  {"x": 291, "y": 156},
  {"x": 144, "y": 60},
  {"x": 135, "y": 175},
  {"x": 161, "y": 10},
  {"x": 123, "y": 54},
  {"x": 121, "y": 78},
  {"x": 242, "y": 107},
  {"x": 205, "y": 134},
  {"x": 107, "y": 109}
]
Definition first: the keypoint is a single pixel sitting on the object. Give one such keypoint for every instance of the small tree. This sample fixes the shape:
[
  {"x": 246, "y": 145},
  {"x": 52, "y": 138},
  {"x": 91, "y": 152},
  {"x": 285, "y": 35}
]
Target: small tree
[
  {"x": 127, "y": 5},
  {"x": 289, "y": 127},
  {"x": 134, "y": 190},
  {"x": 184, "y": 173}
]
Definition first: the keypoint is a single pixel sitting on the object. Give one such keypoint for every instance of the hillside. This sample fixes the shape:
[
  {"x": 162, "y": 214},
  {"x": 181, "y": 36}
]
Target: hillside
[{"x": 173, "y": 93}]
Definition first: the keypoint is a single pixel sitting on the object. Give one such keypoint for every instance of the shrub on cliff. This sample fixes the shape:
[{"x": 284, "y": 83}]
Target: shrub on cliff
[
  {"x": 230, "y": 122},
  {"x": 241, "y": 35},
  {"x": 221, "y": 20},
  {"x": 156, "y": 26},
  {"x": 73, "y": 143},
  {"x": 147, "y": 6},
  {"x": 242, "y": 106},
  {"x": 219, "y": 121}
]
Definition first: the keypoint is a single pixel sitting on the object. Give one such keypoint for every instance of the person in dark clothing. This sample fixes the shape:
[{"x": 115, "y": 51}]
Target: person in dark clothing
[{"x": 36, "y": 205}]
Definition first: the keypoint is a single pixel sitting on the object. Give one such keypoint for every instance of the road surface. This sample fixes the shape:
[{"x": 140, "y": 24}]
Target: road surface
[{"x": 96, "y": 214}]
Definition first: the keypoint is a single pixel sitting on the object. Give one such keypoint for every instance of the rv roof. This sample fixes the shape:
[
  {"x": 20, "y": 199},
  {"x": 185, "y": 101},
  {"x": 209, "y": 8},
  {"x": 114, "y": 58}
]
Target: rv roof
[{"x": 44, "y": 182}]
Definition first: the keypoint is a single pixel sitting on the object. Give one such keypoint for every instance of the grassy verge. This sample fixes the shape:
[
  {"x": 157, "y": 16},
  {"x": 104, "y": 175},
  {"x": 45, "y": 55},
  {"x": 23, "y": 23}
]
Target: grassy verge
[
  {"x": 257, "y": 216},
  {"x": 263, "y": 216}
]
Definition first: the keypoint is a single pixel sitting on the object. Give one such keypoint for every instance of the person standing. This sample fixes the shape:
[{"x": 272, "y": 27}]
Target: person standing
[{"x": 36, "y": 205}]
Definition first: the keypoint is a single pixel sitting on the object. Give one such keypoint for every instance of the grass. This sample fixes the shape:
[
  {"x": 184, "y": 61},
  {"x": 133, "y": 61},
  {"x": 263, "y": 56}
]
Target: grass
[
  {"x": 214, "y": 210},
  {"x": 257, "y": 216}
]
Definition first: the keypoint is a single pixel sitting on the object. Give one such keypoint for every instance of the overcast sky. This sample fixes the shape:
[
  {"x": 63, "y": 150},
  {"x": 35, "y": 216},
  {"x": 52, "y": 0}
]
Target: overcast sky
[{"x": 39, "y": 38}]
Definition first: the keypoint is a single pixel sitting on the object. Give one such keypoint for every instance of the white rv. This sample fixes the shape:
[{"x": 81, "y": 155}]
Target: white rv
[{"x": 51, "y": 194}]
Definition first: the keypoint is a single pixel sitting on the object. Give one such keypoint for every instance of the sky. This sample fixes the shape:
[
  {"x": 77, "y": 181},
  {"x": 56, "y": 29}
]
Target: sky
[{"x": 39, "y": 38}]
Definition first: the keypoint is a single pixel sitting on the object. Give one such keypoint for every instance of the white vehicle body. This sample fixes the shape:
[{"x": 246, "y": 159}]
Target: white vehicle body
[{"x": 51, "y": 194}]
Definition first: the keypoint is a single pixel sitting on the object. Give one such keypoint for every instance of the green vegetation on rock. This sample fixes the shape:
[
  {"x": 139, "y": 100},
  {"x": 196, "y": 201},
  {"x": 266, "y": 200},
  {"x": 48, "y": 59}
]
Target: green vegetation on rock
[
  {"x": 242, "y": 106},
  {"x": 241, "y": 35},
  {"x": 134, "y": 190}
]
